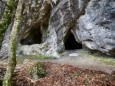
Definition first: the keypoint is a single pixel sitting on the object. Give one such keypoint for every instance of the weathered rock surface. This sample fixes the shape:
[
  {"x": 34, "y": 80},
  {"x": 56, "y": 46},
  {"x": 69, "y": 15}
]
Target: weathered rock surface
[
  {"x": 96, "y": 28},
  {"x": 2, "y": 7},
  {"x": 5, "y": 43},
  {"x": 62, "y": 18},
  {"x": 46, "y": 25}
]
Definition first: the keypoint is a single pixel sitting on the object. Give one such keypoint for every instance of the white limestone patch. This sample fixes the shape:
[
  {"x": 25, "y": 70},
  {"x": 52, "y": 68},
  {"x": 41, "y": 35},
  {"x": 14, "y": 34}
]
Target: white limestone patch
[
  {"x": 74, "y": 54},
  {"x": 54, "y": 1},
  {"x": 26, "y": 61}
]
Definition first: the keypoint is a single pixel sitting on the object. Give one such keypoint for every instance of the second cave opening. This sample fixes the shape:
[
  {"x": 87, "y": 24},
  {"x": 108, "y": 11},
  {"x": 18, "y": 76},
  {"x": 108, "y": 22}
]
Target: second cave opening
[
  {"x": 71, "y": 43},
  {"x": 34, "y": 37}
]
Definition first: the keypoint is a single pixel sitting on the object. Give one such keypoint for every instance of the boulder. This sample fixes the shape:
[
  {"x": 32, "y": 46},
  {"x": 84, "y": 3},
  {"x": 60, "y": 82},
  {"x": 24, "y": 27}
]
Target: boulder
[{"x": 96, "y": 28}]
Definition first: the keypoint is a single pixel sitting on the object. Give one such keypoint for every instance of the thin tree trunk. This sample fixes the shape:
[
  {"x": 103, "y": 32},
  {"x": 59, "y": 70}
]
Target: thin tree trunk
[{"x": 12, "y": 50}]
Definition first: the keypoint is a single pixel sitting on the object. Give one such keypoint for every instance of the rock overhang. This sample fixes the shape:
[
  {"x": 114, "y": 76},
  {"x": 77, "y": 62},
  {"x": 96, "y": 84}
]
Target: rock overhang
[{"x": 90, "y": 22}]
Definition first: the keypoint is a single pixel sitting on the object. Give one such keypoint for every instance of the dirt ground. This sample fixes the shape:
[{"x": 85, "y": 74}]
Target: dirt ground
[
  {"x": 84, "y": 59},
  {"x": 74, "y": 69},
  {"x": 64, "y": 75}
]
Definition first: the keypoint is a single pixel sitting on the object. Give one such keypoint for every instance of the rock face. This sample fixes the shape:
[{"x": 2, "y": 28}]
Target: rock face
[
  {"x": 96, "y": 28},
  {"x": 48, "y": 27},
  {"x": 2, "y": 6},
  {"x": 53, "y": 21},
  {"x": 5, "y": 43}
]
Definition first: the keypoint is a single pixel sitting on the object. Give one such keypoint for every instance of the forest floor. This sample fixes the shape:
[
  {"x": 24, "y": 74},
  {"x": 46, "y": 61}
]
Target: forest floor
[{"x": 74, "y": 68}]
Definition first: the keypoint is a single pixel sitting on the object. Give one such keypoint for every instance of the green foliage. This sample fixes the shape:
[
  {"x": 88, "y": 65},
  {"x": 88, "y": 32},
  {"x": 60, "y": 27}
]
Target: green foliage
[
  {"x": 109, "y": 61},
  {"x": 22, "y": 58},
  {"x": 37, "y": 71},
  {"x": 10, "y": 4},
  {"x": 42, "y": 57},
  {"x": 37, "y": 57},
  {"x": 6, "y": 18},
  {"x": 99, "y": 57}
]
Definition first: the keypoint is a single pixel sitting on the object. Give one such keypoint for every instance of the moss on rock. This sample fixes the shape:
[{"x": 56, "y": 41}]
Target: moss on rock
[{"x": 6, "y": 18}]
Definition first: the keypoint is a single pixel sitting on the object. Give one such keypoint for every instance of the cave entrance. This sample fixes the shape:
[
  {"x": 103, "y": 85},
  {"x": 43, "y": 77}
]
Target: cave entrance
[
  {"x": 71, "y": 43},
  {"x": 34, "y": 37},
  {"x": 1, "y": 82}
]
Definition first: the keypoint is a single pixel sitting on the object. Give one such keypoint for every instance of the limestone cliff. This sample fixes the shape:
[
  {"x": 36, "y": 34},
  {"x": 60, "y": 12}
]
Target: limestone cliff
[{"x": 49, "y": 27}]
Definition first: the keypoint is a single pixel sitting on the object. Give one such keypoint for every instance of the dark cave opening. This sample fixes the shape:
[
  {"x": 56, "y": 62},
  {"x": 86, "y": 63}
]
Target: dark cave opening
[
  {"x": 34, "y": 37},
  {"x": 0, "y": 82},
  {"x": 71, "y": 43}
]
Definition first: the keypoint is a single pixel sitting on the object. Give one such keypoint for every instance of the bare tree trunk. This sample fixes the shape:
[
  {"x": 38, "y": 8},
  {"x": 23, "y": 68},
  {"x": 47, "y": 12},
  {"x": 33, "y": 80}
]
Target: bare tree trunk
[{"x": 12, "y": 50}]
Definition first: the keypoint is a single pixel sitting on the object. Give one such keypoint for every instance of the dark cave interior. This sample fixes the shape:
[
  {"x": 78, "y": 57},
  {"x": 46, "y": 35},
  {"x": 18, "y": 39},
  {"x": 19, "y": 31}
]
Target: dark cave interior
[
  {"x": 71, "y": 43},
  {"x": 1, "y": 83},
  {"x": 34, "y": 37}
]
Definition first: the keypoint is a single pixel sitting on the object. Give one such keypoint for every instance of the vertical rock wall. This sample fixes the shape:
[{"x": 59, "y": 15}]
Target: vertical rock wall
[{"x": 91, "y": 22}]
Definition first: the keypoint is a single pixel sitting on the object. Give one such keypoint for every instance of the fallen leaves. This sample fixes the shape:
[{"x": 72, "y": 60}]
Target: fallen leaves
[{"x": 64, "y": 75}]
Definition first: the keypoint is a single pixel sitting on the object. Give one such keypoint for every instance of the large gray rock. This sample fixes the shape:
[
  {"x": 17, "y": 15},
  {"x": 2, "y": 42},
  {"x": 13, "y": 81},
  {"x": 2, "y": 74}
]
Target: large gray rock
[
  {"x": 96, "y": 28},
  {"x": 61, "y": 18},
  {"x": 5, "y": 43},
  {"x": 46, "y": 24}
]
